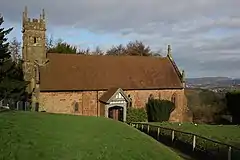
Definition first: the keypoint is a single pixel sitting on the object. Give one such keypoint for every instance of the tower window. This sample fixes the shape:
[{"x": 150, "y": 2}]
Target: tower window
[{"x": 34, "y": 40}]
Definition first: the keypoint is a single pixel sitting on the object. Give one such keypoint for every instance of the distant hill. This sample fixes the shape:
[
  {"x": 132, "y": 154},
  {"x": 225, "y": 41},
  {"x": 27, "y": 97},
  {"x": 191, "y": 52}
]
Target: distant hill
[{"x": 212, "y": 82}]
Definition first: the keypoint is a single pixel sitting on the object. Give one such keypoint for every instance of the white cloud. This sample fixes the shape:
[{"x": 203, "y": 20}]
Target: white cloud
[{"x": 202, "y": 32}]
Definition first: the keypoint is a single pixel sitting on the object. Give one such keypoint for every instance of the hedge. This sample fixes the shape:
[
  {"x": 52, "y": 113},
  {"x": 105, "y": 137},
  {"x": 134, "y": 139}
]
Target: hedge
[
  {"x": 159, "y": 110},
  {"x": 136, "y": 115},
  {"x": 233, "y": 103}
]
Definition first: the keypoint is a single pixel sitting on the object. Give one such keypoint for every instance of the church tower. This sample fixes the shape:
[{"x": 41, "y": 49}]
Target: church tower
[{"x": 34, "y": 47}]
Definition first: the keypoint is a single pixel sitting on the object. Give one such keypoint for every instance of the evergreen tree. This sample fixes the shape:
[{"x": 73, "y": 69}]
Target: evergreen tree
[
  {"x": 62, "y": 47},
  {"x": 12, "y": 85},
  {"x": 159, "y": 110},
  {"x": 4, "y": 53}
]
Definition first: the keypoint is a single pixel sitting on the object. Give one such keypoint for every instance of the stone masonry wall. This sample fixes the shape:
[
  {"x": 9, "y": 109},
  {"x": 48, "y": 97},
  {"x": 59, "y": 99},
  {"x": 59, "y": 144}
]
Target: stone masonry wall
[
  {"x": 64, "y": 102},
  {"x": 140, "y": 97}
]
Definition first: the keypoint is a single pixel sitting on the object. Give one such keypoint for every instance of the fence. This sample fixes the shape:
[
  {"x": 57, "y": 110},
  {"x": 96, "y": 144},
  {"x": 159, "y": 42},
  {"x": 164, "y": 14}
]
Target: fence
[
  {"x": 191, "y": 144},
  {"x": 15, "y": 105}
]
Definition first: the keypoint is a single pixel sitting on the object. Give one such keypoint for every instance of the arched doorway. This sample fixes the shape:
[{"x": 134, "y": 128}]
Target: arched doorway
[{"x": 116, "y": 113}]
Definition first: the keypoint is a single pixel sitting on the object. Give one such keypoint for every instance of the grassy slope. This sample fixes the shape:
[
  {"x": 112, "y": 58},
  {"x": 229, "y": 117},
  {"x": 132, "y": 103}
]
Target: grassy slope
[
  {"x": 229, "y": 134},
  {"x": 25, "y": 135}
]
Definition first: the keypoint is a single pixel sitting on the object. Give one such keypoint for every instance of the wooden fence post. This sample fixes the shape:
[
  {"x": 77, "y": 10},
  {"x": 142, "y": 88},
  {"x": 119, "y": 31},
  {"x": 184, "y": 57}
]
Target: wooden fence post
[
  {"x": 137, "y": 126},
  {"x": 142, "y": 127},
  {"x": 229, "y": 153},
  {"x": 148, "y": 129},
  {"x": 194, "y": 142},
  {"x": 158, "y": 132},
  {"x": 18, "y": 105},
  {"x": 173, "y": 135}
]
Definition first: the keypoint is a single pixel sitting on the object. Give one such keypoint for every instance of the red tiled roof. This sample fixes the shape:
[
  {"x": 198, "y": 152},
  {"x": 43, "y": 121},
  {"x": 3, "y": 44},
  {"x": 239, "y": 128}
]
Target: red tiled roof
[
  {"x": 90, "y": 72},
  {"x": 108, "y": 94}
]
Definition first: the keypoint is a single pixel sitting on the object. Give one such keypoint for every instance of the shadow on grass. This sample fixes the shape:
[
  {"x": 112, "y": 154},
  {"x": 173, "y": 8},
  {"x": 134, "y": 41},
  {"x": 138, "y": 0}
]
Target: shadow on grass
[{"x": 185, "y": 149}]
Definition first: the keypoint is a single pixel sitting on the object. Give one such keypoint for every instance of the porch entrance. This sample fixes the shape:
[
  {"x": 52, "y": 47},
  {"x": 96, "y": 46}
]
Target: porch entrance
[
  {"x": 114, "y": 104},
  {"x": 116, "y": 113}
]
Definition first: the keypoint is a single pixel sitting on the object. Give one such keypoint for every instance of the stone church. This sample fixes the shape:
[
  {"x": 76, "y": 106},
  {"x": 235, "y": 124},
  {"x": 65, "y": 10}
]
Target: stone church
[{"x": 93, "y": 85}]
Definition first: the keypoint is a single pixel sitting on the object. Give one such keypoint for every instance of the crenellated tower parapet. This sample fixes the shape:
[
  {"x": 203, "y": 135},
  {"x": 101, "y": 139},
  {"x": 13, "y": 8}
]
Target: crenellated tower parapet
[{"x": 34, "y": 46}]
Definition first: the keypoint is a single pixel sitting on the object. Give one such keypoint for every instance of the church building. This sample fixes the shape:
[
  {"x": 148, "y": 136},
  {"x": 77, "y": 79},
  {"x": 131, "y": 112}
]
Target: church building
[{"x": 97, "y": 85}]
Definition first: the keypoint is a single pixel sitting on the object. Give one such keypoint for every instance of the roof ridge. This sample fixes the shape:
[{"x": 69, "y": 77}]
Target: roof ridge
[
  {"x": 91, "y": 55},
  {"x": 175, "y": 66}
]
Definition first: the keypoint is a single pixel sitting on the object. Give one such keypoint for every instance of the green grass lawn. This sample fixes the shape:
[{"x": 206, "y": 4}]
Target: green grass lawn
[
  {"x": 35, "y": 136},
  {"x": 229, "y": 134}
]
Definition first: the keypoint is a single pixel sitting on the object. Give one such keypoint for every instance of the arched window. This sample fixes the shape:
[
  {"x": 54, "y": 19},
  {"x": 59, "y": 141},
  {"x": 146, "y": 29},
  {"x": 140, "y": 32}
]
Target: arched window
[
  {"x": 159, "y": 95},
  {"x": 37, "y": 74},
  {"x": 76, "y": 107},
  {"x": 173, "y": 99},
  {"x": 150, "y": 96},
  {"x": 130, "y": 103},
  {"x": 34, "y": 40}
]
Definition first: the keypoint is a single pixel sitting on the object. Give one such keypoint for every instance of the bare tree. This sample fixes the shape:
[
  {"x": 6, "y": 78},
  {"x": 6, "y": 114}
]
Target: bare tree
[
  {"x": 97, "y": 51},
  {"x": 84, "y": 51},
  {"x": 116, "y": 50},
  {"x": 14, "y": 48},
  {"x": 136, "y": 48},
  {"x": 49, "y": 43},
  {"x": 157, "y": 53}
]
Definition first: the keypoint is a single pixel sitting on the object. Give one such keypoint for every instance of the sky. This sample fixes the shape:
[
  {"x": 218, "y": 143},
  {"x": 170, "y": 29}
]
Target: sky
[{"x": 204, "y": 34}]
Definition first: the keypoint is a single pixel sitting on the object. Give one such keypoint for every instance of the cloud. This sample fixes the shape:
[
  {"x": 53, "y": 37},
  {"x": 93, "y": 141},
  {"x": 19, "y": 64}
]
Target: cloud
[{"x": 204, "y": 34}]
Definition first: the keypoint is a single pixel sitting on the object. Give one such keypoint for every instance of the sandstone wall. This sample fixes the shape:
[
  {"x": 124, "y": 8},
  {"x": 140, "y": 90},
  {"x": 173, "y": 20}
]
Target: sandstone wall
[
  {"x": 64, "y": 102},
  {"x": 140, "y": 97}
]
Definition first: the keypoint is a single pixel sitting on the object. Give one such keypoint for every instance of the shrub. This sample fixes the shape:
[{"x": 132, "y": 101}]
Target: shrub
[
  {"x": 233, "y": 102},
  {"x": 136, "y": 115},
  {"x": 206, "y": 106},
  {"x": 159, "y": 110}
]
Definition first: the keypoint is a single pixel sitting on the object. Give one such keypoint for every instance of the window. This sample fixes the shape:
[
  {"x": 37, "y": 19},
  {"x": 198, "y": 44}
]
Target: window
[
  {"x": 130, "y": 103},
  {"x": 76, "y": 107},
  {"x": 173, "y": 99},
  {"x": 159, "y": 95},
  {"x": 150, "y": 96},
  {"x": 37, "y": 74},
  {"x": 34, "y": 40}
]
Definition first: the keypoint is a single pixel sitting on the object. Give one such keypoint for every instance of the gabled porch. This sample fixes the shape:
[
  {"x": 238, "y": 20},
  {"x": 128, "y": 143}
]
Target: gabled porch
[{"x": 114, "y": 104}]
